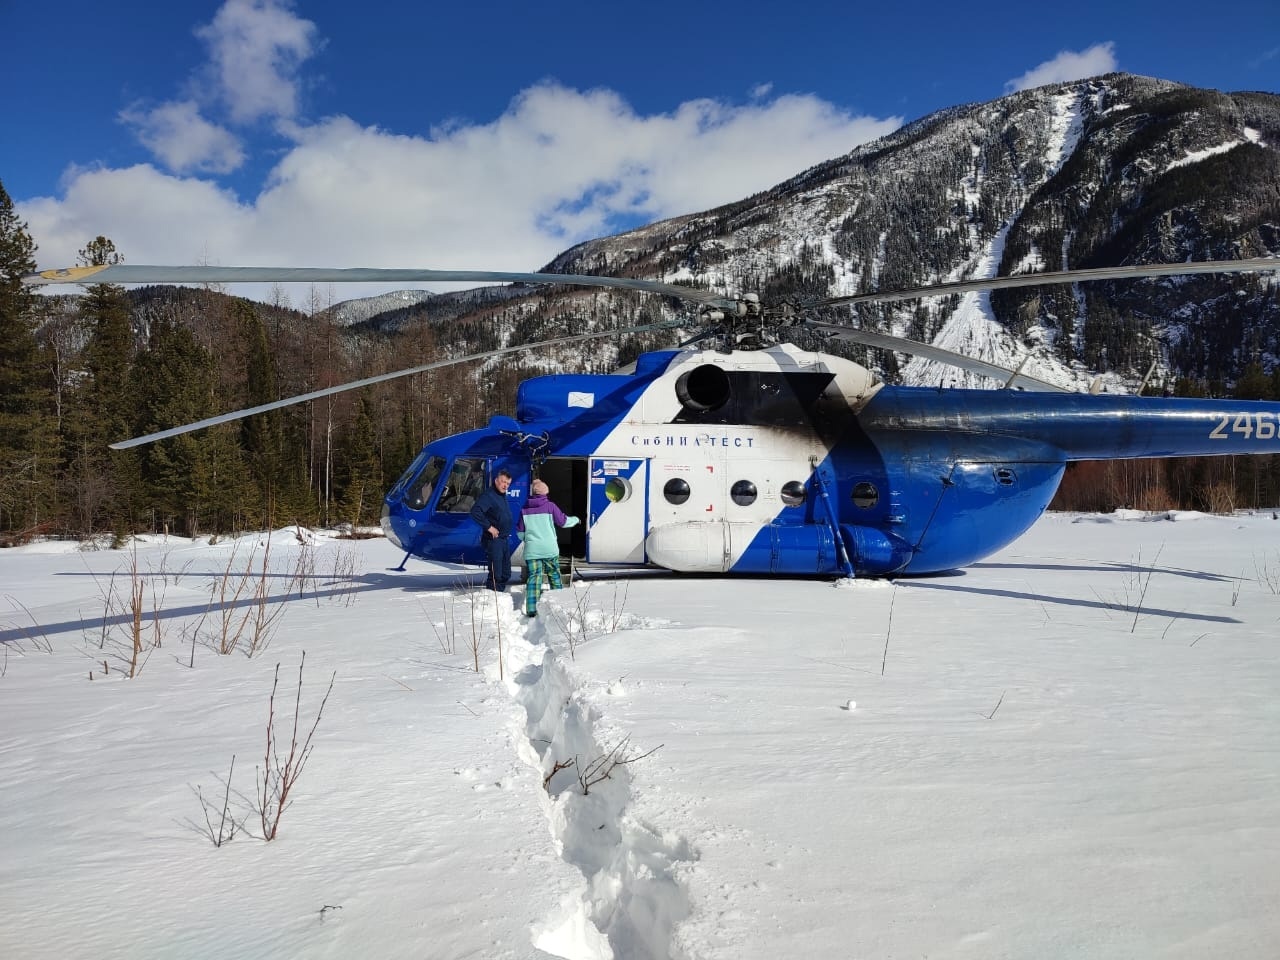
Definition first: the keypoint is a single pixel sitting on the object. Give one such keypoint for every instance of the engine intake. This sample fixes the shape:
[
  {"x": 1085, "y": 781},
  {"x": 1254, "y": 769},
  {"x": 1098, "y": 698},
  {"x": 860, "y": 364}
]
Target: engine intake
[{"x": 705, "y": 387}]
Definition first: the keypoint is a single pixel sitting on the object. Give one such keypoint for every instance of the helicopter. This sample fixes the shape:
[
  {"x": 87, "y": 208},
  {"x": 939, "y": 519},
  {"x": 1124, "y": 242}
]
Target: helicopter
[{"x": 737, "y": 453}]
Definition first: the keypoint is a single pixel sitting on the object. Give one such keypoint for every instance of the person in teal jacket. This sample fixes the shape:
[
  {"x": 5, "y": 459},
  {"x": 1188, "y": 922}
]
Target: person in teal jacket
[{"x": 537, "y": 528}]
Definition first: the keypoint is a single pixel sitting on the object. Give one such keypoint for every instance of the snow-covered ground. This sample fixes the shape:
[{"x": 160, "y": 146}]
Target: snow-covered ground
[{"x": 1070, "y": 750}]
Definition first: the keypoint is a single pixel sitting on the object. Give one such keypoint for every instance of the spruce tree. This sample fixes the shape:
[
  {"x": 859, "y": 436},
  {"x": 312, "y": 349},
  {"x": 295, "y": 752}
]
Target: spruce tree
[
  {"x": 106, "y": 483},
  {"x": 25, "y": 453},
  {"x": 1253, "y": 384},
  {"x": 172, "y": 380},
  {"x": 110, "y": 350},
  {"x": 261, "y": 435},
  {"x": 1256, "y": 478},
  {"x": 195, "y": 481},
  {"x": 363, "y": 487}
]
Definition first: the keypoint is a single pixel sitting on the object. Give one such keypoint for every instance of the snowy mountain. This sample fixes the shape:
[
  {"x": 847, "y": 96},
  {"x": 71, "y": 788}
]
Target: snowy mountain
[
  {"x": 350, "y": 312},
  {"x": 1113, "y": 170},
  {"x": 388, "y": 310}
]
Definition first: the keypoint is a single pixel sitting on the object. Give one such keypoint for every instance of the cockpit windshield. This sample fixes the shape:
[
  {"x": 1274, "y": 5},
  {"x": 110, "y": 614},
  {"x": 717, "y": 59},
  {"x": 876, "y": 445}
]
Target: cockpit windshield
[
  {"x": 466, "y": 482},
  {"x": 420, "y": 488}
]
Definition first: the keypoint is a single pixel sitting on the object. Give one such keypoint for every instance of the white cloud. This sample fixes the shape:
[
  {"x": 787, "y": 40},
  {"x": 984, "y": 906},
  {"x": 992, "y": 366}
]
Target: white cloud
[
  {"x": 1068, "y": 65},
  {"x": 142, "y": 210},
  {"x": 255, "y": 50},
  {"x": 558, "y": 167},
  {"x": 183, "y": 140}
]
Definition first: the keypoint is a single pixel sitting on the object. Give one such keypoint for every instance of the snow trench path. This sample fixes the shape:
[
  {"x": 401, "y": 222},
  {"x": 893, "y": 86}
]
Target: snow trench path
[{"x": 631, "y": 902}]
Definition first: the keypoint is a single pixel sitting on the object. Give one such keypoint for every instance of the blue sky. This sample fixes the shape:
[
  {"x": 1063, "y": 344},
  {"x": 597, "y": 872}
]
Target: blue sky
[{"x": 493, "y": 136}]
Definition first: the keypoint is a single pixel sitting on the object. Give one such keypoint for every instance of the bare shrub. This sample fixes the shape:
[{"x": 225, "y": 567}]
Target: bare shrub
[
  {"x": 304, "y": 571},
  {"x": 165, "y": 571},
  {"x": 137, "y": 593},
  {"x": 1268, "y": 571},
  {"x": 618, "y": 605},
  {"x": 263, "y": 616},
  {"x": 1154, "y": 499},
  {"x": 470, "y": 630},
  {"x": 279, "y": 775},
  {"x": 356, "y": 534},
  {"x": 447, "y": 632},
  {"x": 1220, "y": 497},
  {"x": 888, "y": 630},
  {"x": 603, "y": 766},
  {"x": 192, "y": 632},
  {"x": 224, "y": 601},
  {"x": 227, "y": 825},
  {"x": 497, "y": 620},
  {"x": 1133, "y": 593},
  {"x": 992, "y": 714},
  {"x": 20, "y": 538},
  {"x": 475, "y": 639},
  {"x": 556, "y": 768},
  {"x": 584, "y": 621},
  {"x": 573, "y": 623},
  {"x": 345, "y": 580},
  {"x": 32, "y": 637},
  {"x": 241, "y": 601},
  {"x": 121, "y": 630},
  {"x": 1146, "y": 582}
]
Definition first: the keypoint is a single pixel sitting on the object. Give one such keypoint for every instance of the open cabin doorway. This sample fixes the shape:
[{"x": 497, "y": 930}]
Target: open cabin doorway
[{"x": 568, "y": 479}]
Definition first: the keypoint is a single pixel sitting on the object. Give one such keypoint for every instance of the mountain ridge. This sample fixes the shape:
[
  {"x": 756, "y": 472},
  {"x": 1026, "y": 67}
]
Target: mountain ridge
[{"x": 1112, "y": 169}]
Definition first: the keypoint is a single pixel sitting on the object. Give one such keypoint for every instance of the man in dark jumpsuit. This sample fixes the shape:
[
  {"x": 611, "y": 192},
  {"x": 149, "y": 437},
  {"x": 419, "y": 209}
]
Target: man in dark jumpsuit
[{"x": 492, "y": 511}]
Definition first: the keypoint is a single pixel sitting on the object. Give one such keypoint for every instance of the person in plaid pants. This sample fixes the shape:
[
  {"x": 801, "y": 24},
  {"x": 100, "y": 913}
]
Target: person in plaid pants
[{"x": 537, "y": 528}]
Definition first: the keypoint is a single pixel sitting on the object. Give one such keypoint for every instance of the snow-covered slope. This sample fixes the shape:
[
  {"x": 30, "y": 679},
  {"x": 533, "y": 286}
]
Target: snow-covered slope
[{"x": 1116, "y": 169}]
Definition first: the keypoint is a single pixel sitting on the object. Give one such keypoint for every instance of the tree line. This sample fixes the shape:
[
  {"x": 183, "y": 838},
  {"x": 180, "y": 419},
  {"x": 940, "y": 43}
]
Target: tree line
[
  {"x": 1210, "y": 484},
  {"x": 78, "y": 373}
]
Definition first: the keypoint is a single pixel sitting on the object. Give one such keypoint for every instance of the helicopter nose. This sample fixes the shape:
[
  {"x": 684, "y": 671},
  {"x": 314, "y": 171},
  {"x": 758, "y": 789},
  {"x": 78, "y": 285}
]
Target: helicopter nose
[{"x": 388, "y": 528}]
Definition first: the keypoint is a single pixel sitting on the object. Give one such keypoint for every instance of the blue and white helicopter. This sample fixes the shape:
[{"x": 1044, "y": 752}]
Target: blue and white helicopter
[{"x": 741, "y": 454}]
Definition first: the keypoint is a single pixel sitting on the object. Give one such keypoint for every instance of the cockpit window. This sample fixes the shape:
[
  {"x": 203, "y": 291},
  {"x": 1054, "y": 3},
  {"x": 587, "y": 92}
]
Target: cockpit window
[
  {"x": 420, "y": 488},
  {"x": 465, "y": 483}
]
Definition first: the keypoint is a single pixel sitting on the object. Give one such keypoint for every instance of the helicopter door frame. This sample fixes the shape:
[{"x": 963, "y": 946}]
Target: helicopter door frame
[
  {"x": 617, "y": 509},
  {"x": 567, "y": 477}
]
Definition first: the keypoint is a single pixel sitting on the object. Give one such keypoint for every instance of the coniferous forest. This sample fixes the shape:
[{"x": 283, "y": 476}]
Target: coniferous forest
[
  {"x": 1156, "y": 172},
  {"x": 80, "y": 372}
]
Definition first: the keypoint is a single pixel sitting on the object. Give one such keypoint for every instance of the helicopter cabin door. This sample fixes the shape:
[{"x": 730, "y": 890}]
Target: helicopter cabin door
[{"x": 618, "y": 510}]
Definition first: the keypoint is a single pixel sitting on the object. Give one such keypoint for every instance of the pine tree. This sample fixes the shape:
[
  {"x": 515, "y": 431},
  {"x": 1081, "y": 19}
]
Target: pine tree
[
  {"x": 1256, "y": 477},
  {"x": 261, "y": 435},
  {"x": 1253, "y": 384},
  {"x": 194, "y": 481},
  {"x": 106, "y": 483},
  {"x": 172, "y": 380},
  {"x": 360, "y": 498},
  {"x": 26, "y": 460},
  {"x": 110, "y": 350}
]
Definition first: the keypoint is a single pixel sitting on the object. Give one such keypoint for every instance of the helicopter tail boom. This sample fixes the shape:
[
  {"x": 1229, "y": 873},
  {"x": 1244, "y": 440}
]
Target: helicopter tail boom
[{"x": 1084, "y": 427}]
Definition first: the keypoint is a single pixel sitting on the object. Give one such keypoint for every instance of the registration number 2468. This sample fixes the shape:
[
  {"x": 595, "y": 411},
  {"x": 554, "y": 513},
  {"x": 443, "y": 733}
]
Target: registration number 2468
[{"x": 1250, "y": 425}]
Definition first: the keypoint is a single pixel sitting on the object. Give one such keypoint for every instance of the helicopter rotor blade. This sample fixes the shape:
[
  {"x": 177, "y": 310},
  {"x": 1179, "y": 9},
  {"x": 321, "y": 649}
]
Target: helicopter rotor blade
[
  {"x": 715, "y": 306},
  {"x": 1054, "y": 277},
  {"x": 369, "y": 381},
  {"x": 884, "y": 341},
  {"x": 139, "y": 273}
]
